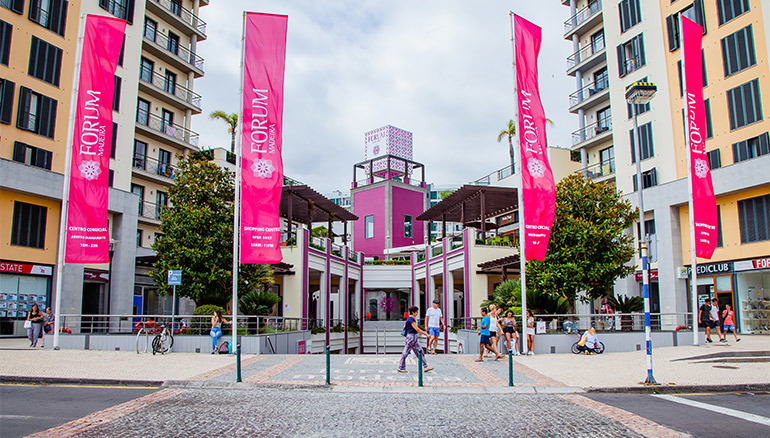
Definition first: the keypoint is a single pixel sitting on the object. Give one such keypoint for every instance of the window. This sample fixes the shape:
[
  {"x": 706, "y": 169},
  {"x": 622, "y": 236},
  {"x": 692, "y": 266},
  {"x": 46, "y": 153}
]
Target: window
[
  {"x": 407, "y": 226},
  {"x": 167, "y": 122},
  {"x": 45, "y": 61},
  {"x": 709, "y": 126},
  {"x": 114, "y": 144},
  {"x": 753, "y": 217},
  {"x": 601, "y": 81},
  {"x": 28, "y": 227},
  {"x": 150, "y": 29},
  {"x": 164, "y": 163},
  {"x": 120, "y": 8},
  {"x": 111, "y": 178},
  {"x": 645, "y": 133},
  {"x": 715, "y": 160},
  {"x": 630, "y": 14},
  {"x": 145, "y": 70},
  {"x": 173, "y": 43},
  {"x": 631, "y": 55},
  {"x": 738, "y": 51},
  {"x": 175, "y": 6},
  {"x": 158, "y": 236},
  {"x": 138, "y": 237},
  {"x": 116, "y": 96},
  {"x": 369, "y": 227},
  {"x": 743, "y": 103},
  {"x": 729, "y": 9},
  {"x": 143, "y": 112},
  {"x": 37, "y": 113},
  {"x": 51, "y": 14},
  {"x": 5, "y": 41},
  {"x": 139, "y": 191},
  {"x": 32, "y": 156},
  {"x": 140, "y": 154},
  {"x": 720, "y": 243},
  {"x": 603, "y": 120},
  {"x": 607, "y": 159},
  {"x": 161, "y": 201},
  {"x": 649, "y": 179},
  {"x": 14, "y": 5},
  {"x": 122, "y": 51},
  {"x": 170, "y": 82},
  {"x": 751, "y": 148},
  {"x": 7, "y": 89},
  {"x": 649, "y": 228},
  {"x": 597, "y": 41},
  {"x": 694, "y": 12}
]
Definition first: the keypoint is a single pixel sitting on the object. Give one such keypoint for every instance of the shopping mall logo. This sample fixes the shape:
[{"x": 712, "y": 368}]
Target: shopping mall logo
[
  {"x": 701, "y": 167},
  {"x": 89, "y": 170},
  {"x": 262, "y": 168},
  {"x": 536, "y": 167}
]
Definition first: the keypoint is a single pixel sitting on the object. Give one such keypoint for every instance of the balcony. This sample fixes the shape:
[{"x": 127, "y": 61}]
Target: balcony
[
  {"x": 149, "y": 212},
  {"x": 584, "y": 19},
  {"x": 170, "y": 51},
  {"x": 153, "y": 169},
  {"x": 178, "y": 16},
  {"x": 592, "y": 134},
  {"x": 154, "y": 126},
  {"x": 169, "y": 92},
  {"x": 592, "y": 94},
  {"x": 600, "y": 172},
  {"x": 587, "y": 57}
]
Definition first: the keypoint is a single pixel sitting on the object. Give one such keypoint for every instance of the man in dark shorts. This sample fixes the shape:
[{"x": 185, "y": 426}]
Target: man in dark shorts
[
  {"x": 704, "y": 319},
  {"x": 484, "y": 333}
]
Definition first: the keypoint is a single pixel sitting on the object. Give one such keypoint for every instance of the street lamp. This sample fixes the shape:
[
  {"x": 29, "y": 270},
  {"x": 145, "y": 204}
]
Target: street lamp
[{"x": 640, "y": 93}]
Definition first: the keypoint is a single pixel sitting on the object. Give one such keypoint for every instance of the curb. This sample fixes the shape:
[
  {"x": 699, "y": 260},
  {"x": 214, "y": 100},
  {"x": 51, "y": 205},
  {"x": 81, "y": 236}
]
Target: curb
[
  {"x": 674, "y": 389},
  {"x": 79, "y": 381}
]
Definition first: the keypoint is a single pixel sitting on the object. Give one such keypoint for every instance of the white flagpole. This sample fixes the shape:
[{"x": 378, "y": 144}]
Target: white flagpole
[
  {"x": 237, "y": 205},
  {"x": 66, "y": 188},
  {"x": 522, "y": 230},
  {"x": 693, "y": 258}
]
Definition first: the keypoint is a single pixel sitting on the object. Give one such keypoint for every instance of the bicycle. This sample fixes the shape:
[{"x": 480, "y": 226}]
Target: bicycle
[
  {"x": 163, "y": 341},
  {"x": 598, "y": 350},
  {"x": 142, "y": 330}
]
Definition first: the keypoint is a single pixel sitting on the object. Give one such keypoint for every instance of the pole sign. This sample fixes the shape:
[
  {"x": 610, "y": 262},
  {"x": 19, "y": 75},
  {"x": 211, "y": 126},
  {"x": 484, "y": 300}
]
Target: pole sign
[{"x": 175, "y": 278}]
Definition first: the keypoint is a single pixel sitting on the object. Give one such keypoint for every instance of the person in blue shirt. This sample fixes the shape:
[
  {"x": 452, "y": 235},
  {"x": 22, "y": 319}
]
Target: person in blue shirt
[
  {"x": 484, "y": 333},
  {"x": 412, "y": 344}
]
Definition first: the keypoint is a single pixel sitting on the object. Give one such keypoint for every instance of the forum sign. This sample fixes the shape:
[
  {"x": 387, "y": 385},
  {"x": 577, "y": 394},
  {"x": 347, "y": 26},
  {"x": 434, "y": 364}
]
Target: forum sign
[{"x": 388, "y": 140}]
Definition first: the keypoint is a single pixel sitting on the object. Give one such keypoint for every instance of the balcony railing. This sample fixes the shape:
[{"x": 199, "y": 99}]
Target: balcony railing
[
  {"x": 183, "y": 13},
  {"x": 591, "y": 131},
  {"x": 494, "y": 177},
  {"x": 154, "y": 166},
  {"x": 586, "y": 52},
  {"x": 150, "y": 210},
  {"x": 582, "y": 15},
  {"x": 182, "y": 53},
  {"x": 160, "y": 83},
  {"x": 600, "y": 170},
  {"x": 588, "y": 91},
  {"x": 156, "y": 123},
  {"x": 318, "y": 243}
]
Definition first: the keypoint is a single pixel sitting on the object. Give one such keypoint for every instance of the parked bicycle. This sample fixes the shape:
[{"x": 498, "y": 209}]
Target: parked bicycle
[
  {"x": 161, "y": 342},
  {"x": 577, "y": 348}
]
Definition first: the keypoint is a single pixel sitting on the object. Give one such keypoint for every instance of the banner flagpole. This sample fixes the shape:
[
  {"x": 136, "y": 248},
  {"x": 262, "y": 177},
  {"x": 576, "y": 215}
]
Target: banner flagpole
[
  {"x": 237, "y": 204},
  {"x": 66, "y": 189},
  {"x": 520, "y": 179}
]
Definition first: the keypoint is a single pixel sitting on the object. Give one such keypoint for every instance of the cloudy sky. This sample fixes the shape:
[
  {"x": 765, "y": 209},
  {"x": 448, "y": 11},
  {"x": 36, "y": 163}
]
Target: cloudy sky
[{"x": 440, "y": 69}]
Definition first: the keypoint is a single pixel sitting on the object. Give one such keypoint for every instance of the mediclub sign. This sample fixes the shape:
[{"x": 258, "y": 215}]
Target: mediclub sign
[
  {"x": 87, "y": 234},
  {"x": 264, "y": 59}
]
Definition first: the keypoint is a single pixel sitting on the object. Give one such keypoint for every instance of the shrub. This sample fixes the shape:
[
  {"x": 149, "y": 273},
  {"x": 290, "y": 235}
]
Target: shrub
[{"x": 202, "y": 325}]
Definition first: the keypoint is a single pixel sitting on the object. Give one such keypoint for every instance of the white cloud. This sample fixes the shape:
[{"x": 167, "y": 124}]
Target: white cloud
[{"x": 440, "y": 69}]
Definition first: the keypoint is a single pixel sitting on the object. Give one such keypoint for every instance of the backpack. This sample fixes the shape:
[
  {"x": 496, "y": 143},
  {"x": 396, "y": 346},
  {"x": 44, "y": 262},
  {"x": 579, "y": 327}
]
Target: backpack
[{"x": 224, "y": 348}]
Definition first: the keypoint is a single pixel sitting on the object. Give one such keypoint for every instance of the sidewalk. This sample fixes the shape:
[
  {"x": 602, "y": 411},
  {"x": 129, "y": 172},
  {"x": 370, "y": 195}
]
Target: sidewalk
[{"x": 740, "y": 366}]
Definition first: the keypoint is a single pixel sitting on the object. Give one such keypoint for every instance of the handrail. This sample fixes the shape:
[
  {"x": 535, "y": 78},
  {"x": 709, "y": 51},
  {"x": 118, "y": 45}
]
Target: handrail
[
  {"x": 591, "y": 131},
  {"x": 502, "y": 173},
  {"x": 156, "y": 123},
  {"x": 183, "y": 324},
  {"x": 592, "y": 88},
  {"x": 585, "y": 52},
  {"x": 158, "y": 167},
  {"x": 150, "y": 210},
  {"x": 633, "y": 322},
  {"x": 186, "y": 55},
  {"x": 599, "y": 170},
  {"x": 159, "y": 82},
  {"x": 582, "y": 15},
  {"x": 185, "y": 14}
]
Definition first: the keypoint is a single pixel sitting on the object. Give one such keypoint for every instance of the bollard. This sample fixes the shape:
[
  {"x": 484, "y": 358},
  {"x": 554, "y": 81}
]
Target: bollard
[
  {"x": 419, "y": 367},
  {"x": 328, "y": 361},
  {"x": 510, "y": 368},
  {"x": 238, "y": 362}
]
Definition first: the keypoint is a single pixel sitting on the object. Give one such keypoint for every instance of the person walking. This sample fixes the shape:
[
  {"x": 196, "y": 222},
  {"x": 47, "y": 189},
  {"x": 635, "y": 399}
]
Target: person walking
[
  {"x": 216, "y": 329},
  {"x": 434, "y": 321},
  {"x": 48, "y": 320},
  {"x": 412, "y": 344},
  {"x": 494, "y": 327},
  {"x": 530, "y": 331},
  {"x": 714, "y": 314},
  {"x": 35, "y": 317},
  {"x": 729, "y": 316},
  {"x": 704, "y": 319},
  {"x": 484, "y": 342},
  {"x": 509, "y": 328}
]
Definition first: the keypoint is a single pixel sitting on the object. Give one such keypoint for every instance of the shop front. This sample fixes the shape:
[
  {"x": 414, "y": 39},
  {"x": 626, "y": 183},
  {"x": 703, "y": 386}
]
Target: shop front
[
  {"x": 21, "y": 286},
  {"x": 714, "y": 280},
  {"x": 752, "y": 278}
]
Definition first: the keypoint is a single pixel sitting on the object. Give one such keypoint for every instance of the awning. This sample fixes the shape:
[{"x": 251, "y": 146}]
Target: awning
[{"x": 470, "y": 203}]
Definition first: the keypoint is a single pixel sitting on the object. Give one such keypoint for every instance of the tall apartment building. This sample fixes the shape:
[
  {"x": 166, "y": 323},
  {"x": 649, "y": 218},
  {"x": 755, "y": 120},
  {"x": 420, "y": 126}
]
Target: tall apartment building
[
  {"x": 642, "y": 44},
  {"x": 152, "y": 109}
]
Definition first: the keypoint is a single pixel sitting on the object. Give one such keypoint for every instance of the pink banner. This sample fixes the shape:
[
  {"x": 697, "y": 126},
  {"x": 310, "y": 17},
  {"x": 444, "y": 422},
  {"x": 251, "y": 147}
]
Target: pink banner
[
  {"x": 538, "y": 190},
  {"x": 264, "y": 60},
  {"x": 703, "y": 200},
  {"x": 88, "y": 239}
]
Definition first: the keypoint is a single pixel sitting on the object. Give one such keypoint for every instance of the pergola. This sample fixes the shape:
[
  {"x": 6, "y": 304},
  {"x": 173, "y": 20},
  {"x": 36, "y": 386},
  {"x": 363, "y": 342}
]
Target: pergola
[
  {"x": 501, "y": 266},
  {"x": 303, "y": 204},
  {"x": 472, "y": 205}
]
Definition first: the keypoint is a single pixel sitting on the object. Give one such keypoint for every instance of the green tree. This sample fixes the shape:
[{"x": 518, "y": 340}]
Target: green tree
[
  {"x": 197, "y": 237},
  {"x": 232, "y": 124},
  {"x": 508, "y": 297},
  {"x": 508, "y": 133},
  {"x": 257, "y": 302},
  {"x": 319, "y": 231},
  {"x": 588, "y": 248}
]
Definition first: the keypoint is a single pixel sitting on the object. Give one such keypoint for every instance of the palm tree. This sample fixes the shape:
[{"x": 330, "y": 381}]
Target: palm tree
[
  {"x": 232, "y": 122},
  {"x": 509, "y": 132}
]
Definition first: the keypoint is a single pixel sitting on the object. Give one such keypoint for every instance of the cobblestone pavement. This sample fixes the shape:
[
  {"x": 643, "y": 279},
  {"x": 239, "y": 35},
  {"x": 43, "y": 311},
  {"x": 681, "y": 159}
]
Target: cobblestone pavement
[{"x": 273, "y": 412}]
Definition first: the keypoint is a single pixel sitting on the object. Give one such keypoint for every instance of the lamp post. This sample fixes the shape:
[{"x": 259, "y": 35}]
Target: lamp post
[{"x": 640, "y": 93}]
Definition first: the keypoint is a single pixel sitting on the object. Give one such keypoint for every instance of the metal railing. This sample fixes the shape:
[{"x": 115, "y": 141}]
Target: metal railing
[
  {"x": 318, "y": 243},
  {"x": 150, "y": 210},
  {"x": 591, "y": 131},
  {"x": 182, "y": 53},
  {"x": 352, "y": 256},
  {"x": 588, "y": 91},
  {"x": 498, "y": 175},
  {"x": 336, "y": 250},
  {"x": 156, "y": 123},
  {"x": 456, "y": 242},
  {"x": 498, "y": 241},
  {"x": 633, "y": 63},
  {"x": 602, "y": 322},
  {"x": 184, "y": 14},
  {"x": 436, "y": 250},
  {"x": 160, "y": 83},
  {"x": 599, "y": 170},
  {"x": 582, "y": 15},
  {"x": 289, "y": 240},
  {"x": 154, "y": 166},
  {"x": 585, "y": 52}
]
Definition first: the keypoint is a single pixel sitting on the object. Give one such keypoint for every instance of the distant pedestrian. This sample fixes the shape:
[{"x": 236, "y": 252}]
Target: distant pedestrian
[
  {"x": 509, "y": 328},
  {"x": 216, "y": 329},
  {"x": 35, "y": 317},
  {"x": 714, "y": 314},
  {"x": 48, "y": 323},
  {"x": 434, "y": 321},
  {"x": 412, "y": 344},
  {"x": 494, "y": 327},
  {"x": 729, "y": 316},
  {"x": 484, "y": 342},
  {"x": 530, "y": 330},
  {"x": 704, "y": 319}
]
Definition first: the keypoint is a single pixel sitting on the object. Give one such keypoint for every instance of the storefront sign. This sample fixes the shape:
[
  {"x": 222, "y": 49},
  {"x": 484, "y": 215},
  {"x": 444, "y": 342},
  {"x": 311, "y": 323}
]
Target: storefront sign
[
  {"x": 653, "y": 275},
  {"x": 24, "y": 268},
  {"x": 750, "y": 265},
  {"x": 712, "y": 268},
  {"x": 509, "y": 218},
  {"x": 96, "y": 276}
]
